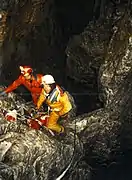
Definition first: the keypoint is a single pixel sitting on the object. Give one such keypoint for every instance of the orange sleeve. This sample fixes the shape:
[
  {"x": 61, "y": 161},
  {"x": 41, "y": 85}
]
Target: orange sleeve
[
  {"x": 41, "y": 99},
  {"x": 14, "y": 85},
  {"x": 39, "y": 77},
  {"x": 36, "y": 84}
]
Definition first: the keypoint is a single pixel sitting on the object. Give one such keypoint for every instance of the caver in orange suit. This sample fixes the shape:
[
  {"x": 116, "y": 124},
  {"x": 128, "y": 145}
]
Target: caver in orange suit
[{"x": 33, "y": 84}]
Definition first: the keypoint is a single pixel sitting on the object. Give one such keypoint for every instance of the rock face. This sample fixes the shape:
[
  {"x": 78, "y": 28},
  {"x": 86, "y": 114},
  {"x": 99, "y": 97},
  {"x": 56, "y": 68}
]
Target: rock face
[
  {"x": 114, "y": 71},
  {"x": 30, "y": 154},
  {"x": 85, "y": 54},
  {"x": 107, "y": 130},
  {"x": 32, "y": 35}
]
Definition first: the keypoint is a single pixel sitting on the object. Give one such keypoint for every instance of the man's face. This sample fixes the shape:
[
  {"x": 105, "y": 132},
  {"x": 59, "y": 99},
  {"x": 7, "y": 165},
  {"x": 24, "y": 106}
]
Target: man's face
[
  {"x": 47, "y": 87},
  {"x": 27, "y": 76}
]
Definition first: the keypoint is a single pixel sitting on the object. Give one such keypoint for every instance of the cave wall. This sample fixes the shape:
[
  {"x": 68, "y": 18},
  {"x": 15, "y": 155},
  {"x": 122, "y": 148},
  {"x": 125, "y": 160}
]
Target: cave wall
[
  {"x": 37, "y": 33},
  {"x": 32, "y": 38}
]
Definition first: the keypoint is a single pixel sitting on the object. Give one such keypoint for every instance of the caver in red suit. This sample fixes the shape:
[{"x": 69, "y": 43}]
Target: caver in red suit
[{"x": 26, "y": 78}]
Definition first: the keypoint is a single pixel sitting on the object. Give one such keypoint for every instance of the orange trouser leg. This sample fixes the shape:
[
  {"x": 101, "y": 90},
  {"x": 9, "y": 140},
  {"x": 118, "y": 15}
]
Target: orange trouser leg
[{"x": 52, "y": 122}]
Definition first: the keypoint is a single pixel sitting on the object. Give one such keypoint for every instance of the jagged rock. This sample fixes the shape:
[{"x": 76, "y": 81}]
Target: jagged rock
[
  {"x": 117, "y": 63},
  {"x": 106, "y": 131},
  {"x": 98, "y": 131},
  {"x": 88, "y": 51},
  {"x": 32, "y": 154},
  {"x": 85, "y": 54}
]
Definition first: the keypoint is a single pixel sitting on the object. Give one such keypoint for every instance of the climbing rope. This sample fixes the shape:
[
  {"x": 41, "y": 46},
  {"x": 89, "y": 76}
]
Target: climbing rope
[{"x": 74, "y": 148}]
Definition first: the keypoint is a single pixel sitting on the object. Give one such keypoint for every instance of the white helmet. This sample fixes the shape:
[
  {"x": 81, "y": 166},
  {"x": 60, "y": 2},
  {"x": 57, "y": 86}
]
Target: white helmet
[{"x": 48, "y": 79}]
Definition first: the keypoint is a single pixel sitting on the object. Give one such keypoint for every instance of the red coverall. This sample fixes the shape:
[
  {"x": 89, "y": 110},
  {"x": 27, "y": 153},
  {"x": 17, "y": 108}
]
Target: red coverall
[{"x": 32, "y": 85}]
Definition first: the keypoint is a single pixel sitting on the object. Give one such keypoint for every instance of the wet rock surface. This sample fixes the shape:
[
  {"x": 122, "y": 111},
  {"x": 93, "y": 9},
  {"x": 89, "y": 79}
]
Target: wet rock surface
[
  {"x": 32, "y": 154},
  {"x": 106, "y": 133}
]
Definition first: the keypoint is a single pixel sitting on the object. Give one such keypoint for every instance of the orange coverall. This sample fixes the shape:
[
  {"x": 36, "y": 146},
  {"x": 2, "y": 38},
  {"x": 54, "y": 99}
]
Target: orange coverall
[{"x": 34, "y": 86}]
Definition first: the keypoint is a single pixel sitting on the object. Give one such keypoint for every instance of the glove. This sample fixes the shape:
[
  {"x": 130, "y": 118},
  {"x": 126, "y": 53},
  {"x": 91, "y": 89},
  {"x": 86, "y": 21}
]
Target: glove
[
  {"x": 33, "y": 112},
  {"x": 3, "y": 93}
]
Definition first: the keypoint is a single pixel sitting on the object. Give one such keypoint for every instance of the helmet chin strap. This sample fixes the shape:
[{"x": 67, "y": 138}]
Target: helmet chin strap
[{"x": 42, "y": 86}]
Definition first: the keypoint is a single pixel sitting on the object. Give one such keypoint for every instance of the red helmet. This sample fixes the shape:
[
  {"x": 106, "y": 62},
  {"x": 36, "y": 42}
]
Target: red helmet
[{"x": 26, "y": 70}]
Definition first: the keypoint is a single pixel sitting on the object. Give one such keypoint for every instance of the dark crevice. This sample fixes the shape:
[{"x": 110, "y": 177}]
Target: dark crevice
[{"x": 73, "y": 16}]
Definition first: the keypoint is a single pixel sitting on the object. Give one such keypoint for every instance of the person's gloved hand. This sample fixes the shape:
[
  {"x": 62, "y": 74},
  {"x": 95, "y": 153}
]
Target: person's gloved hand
[
  {"x": 3, "y": 93},
  {"x": 33, "y": 112},
  {"x": 36, "y": 109}
]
